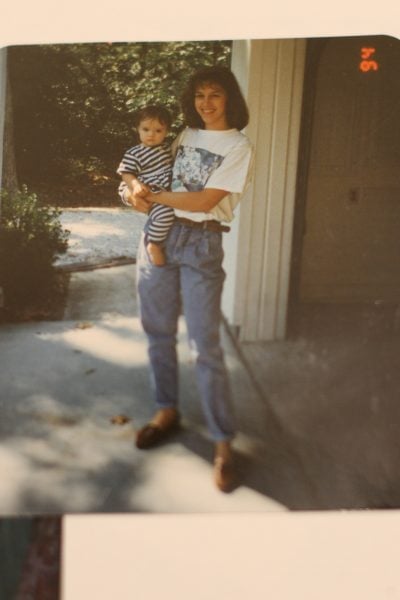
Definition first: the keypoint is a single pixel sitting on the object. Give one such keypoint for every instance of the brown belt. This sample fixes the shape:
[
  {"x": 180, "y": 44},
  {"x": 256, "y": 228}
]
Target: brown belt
[{"x": 211, "y": 225}]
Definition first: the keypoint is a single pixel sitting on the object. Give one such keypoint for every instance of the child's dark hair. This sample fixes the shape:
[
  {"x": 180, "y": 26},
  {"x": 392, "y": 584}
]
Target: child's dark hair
[
  {"x": 153, "y": 111},
  {"x": 237, "y": 113}
]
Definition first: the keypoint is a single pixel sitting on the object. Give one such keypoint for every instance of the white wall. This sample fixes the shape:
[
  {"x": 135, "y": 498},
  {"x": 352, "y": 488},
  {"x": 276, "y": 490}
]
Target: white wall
[{"x": 258, "y": 249}]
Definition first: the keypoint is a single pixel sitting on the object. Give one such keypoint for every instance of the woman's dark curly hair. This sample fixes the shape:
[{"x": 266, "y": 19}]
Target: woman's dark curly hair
[{"x": 237, "y": 113}]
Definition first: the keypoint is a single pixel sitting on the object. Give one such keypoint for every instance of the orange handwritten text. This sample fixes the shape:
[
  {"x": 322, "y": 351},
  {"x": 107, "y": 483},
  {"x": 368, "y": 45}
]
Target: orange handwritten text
[{"x": 366, "y": 64}]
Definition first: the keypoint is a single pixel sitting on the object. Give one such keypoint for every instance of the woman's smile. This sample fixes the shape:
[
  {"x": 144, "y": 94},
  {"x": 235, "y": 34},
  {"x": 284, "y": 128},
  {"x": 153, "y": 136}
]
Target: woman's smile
[{"x": 210, "y": 103}]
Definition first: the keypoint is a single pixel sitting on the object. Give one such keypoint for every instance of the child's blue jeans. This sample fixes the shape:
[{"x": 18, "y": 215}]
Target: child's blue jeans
[{"x": 194, "y": 276}]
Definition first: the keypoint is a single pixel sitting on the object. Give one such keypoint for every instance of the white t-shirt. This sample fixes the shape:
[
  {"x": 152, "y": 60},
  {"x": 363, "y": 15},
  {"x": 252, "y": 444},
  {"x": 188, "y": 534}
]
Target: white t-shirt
[{"x": 211, "y": 159}]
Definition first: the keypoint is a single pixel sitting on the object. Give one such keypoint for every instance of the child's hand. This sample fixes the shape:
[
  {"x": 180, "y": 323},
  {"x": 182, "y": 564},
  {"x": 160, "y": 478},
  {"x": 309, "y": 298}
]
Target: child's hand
[
  {"x": 140, "y": 189},
  {"x": 139, "y": 203}
]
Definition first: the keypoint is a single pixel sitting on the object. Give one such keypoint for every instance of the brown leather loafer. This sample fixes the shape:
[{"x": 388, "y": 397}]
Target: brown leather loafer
[
  {"x": 151, "y": 435},
  {"x": 224, "y": 474}
]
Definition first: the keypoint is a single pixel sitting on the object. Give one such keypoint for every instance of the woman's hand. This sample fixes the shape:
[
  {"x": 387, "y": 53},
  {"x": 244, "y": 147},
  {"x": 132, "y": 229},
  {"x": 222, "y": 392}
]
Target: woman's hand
[
  {"x": 140, "y": 189},
  {"x": 135, "y": 193},
  {"x": 139, "y": 203}
]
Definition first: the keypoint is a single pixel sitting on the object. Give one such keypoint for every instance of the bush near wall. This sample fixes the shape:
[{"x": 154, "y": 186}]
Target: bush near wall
[{"x": 31, "y": 236}]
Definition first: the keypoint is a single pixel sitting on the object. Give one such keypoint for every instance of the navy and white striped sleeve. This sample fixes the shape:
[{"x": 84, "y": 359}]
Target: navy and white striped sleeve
[{"x": 129, "y": 164}]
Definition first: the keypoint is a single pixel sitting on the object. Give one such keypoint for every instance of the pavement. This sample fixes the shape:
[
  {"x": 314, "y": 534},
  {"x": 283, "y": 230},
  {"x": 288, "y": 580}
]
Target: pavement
[{"x": 63, "y": 382}]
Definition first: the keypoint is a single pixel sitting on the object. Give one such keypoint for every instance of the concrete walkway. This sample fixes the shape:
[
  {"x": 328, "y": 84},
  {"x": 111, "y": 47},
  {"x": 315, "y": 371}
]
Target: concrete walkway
[
  {"x": 319, "y": 421},
  {"x": 63, "y": 382}
]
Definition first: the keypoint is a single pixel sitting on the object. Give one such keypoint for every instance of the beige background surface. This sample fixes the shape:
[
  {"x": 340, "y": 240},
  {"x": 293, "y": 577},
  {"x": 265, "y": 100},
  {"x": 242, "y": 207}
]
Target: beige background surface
[{"x": 91, "y": 20}]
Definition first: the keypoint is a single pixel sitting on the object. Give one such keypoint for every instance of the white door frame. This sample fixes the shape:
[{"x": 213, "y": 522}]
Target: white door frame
[{"x": 258, "y": 249}]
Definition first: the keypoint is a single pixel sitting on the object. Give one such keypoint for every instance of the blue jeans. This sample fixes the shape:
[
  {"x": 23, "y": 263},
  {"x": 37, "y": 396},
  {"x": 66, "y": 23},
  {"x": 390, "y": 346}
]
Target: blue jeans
[{"x": 194, "y": 276}]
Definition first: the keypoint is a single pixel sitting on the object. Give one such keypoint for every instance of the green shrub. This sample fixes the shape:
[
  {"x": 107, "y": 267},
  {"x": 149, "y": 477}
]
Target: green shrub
[{"x": 30, "y": 237}]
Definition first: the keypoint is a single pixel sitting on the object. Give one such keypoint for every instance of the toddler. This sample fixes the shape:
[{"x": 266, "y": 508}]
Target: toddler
[{"x": 148, "y": 167}]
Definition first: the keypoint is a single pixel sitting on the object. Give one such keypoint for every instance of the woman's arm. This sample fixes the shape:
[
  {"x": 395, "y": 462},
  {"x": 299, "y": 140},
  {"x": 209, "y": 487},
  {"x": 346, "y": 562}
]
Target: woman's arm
[{"x": 202, "y": 201}]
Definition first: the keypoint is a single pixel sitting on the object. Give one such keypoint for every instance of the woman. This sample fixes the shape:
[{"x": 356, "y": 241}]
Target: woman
[{"x": 210, "y": 171}]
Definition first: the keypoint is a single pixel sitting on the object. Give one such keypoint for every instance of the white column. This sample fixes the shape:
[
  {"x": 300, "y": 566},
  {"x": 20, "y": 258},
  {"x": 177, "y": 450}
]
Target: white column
[
  {"x": 232, "y": 298},
  {"x": 259, "y": 251}
]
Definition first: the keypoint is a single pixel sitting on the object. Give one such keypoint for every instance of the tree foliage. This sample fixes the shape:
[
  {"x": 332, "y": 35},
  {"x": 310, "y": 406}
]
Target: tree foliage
[{"x": 73, "y": 103}]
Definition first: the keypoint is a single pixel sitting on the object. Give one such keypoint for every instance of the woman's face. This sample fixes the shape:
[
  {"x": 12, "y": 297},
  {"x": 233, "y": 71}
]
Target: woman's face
[{"x": 210, "y": 103}]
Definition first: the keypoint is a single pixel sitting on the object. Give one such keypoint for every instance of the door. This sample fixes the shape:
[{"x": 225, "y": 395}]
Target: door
[{"x": 351, "y": 237}]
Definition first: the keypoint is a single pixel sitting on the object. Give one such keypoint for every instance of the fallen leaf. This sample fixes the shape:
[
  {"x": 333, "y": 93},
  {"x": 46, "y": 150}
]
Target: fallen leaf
[
  {"x": 119, "y": 419},
  {"x": 84, "y": 325}
]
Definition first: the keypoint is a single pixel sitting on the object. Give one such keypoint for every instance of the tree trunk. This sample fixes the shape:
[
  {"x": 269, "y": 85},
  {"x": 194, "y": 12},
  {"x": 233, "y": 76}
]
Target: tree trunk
[
  {"x": 9, "y": 176},
  {"x": 9, "y": 169}
]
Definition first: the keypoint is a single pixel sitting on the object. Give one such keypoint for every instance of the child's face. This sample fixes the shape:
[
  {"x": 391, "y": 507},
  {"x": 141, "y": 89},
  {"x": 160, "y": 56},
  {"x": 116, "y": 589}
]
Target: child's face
[{"x": 152, "y": 132}]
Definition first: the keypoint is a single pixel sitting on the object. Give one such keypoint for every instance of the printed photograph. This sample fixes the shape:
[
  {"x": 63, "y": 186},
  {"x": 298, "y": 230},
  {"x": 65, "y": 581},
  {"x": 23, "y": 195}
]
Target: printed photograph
[{"x": 199, "y": 276}]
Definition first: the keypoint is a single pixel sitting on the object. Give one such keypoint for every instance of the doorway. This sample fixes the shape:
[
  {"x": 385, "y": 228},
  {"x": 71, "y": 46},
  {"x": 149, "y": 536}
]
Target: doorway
[{"x": 346, "y": 257}]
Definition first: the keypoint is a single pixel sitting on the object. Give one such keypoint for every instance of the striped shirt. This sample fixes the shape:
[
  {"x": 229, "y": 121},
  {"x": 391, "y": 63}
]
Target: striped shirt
[{"x": 152, "y": 165}]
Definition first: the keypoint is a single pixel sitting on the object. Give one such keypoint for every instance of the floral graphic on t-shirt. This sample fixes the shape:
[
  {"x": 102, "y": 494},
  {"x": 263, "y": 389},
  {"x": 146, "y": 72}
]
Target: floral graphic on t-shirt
[{"x": 193, "y": 167}]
